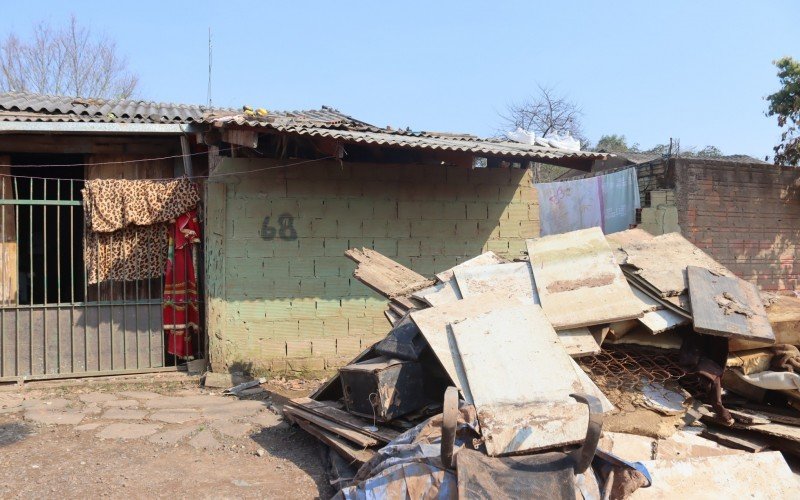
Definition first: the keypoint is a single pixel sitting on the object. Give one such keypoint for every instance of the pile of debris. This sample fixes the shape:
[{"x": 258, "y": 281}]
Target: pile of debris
[{"x": 497, "y": 377}]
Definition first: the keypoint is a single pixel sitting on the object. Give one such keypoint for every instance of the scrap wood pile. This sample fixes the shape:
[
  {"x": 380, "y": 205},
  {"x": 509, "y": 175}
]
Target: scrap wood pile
[{"x": 497, "y": 377}]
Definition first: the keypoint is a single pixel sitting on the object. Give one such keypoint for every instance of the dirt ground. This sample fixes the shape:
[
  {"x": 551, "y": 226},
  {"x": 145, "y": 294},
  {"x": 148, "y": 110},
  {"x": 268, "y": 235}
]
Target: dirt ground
[{"x": 162, "y": 436}]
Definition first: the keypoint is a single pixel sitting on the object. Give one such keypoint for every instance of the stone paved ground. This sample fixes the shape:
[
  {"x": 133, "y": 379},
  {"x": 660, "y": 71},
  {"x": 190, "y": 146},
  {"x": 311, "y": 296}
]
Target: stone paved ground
[{"x": 151, "y": 439}]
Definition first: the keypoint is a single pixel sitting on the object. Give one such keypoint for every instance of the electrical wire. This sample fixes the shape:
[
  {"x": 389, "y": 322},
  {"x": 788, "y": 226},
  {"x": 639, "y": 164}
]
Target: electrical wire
[
  {"x": 213, "y": 176},
  {"x": 123, "y": 162}
]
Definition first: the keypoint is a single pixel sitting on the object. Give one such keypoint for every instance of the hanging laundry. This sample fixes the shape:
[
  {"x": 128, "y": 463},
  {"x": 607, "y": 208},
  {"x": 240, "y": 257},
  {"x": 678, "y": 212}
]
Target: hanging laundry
[
  {"x": 606, "y": 201},
  {"x": 620, "y": 200},
  {"x": 125, "y": 236},
  {"x": 569, "y": 205},
  {"x": 181, "y": 312},
  {"x": 134, "y": 253}
]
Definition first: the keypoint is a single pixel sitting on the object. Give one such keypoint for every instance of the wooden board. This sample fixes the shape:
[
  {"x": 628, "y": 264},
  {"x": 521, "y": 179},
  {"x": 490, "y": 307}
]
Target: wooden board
[
  {"x": 578, "y": 342},
  {"x": 354, "y": 456},
  {"x": 579, "y": 282},
  {"x": 662, "y": 261},
  {"x": 329, "y": 411},
  {"x": 740, "y": 440},
  {"x": 357, "y": 437},
  {"x": 520, "y": 379},
  {"x": 727, "y": 307},
  {"x": 619, "y": 240},
  {"x": 757, "y": 475},
  {"x": 481, "y": 260},
  {"x": 678, "y": 304},
  {"x": 384, "y": 275},
  {"x": 784, "y": 316},
  {"x": 433, "y": 323}
]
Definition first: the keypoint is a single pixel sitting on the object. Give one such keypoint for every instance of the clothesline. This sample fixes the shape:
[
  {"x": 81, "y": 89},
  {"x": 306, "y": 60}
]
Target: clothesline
[
  {"x": 167, "y": 178},
  {"x": 121, "y": 162}
]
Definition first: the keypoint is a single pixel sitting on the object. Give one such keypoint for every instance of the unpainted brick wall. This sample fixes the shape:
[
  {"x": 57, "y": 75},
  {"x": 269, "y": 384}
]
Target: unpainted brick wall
[
  {"x": 290, "y": 301},
  {"x": 747, "y": 216}
]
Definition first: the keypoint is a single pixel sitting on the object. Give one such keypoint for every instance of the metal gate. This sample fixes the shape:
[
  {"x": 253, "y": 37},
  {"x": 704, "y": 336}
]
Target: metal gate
[{"x": 53, "y": 323}]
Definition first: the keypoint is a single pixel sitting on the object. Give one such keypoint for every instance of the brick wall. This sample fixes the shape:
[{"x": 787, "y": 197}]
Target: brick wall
[
  {"x": 281, "y": 293},
  {"x": 745, "y": 215}
]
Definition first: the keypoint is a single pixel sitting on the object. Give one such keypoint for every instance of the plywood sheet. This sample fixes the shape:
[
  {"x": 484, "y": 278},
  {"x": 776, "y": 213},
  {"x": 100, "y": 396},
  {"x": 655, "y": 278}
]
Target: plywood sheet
[
  {"x": 784, "y": 316},
  {"x": 579, "y": 282},
  {"x": 618, "y": 241},
  {"x": 727, "y": 306},
  {"x": 662, "y": 261},
  {"x": 515, "y": 277},
  {"x": 481, "y": 260},
  {"x": 433, "y": 323},
  {"x": 520, "y": 379},
  {"x": 440, "y": 293},
  {"x": 757, "y": 475},
  {"x": 663, "y": 320}
]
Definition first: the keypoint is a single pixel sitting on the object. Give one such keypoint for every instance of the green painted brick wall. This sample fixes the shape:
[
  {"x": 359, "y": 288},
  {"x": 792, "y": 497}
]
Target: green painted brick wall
[{"x": 285, "y": 295}]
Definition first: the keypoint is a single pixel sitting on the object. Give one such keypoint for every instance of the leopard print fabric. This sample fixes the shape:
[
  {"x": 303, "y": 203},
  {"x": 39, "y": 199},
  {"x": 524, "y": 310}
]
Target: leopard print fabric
[
  {"x": 133, "y": 253},
  {"x": 126, "y": 225},
  {"x": 113, "y": 204}
]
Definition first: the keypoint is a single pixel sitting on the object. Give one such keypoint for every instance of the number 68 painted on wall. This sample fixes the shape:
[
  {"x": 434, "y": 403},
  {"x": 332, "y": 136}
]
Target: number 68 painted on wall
[{"x": 284, "y": 231}]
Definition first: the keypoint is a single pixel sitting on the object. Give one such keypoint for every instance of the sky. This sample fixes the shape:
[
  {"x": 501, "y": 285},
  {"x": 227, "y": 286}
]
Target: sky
[{"x": 697, "y": 71}]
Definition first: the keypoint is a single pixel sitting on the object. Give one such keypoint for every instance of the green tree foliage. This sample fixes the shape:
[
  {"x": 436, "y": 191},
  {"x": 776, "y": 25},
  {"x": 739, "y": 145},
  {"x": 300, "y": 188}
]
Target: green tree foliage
[
  {"x": 785, "y": 104},
  {"x": 613, "y": 143}
]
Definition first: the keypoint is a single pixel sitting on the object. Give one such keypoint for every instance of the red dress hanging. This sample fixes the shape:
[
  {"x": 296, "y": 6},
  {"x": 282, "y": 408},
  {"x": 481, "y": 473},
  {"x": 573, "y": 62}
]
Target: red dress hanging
[{"x": 181, "y": 313}]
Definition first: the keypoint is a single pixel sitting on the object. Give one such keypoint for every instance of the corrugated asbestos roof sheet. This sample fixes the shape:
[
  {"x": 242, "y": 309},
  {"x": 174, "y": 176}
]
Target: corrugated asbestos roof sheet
[
  {"x": 325, "y": 122},
  {"x": 343, "y": 128}
]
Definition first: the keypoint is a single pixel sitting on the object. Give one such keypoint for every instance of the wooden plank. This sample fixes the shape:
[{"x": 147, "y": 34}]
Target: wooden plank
[
  {"x": 757, "y": 475},
  {"x": 662, "y": 261},
  {"x": 356, "y": 437},
  {"x": 433, "y": 323},
  {"x": 678, "y": 304},
  {"x": 619, "y": 240},
  {"x": 354, "y": 456},
  {"x": 578, "y": 342},
  {"x": 740, "y": 440},
  {"x": 384, "y": 275},
  {"x": 784, "y": 316},
  {"x": 578, "y": 280},
  {"x": 520, "y": 379},
  {"x": 727, "y": 307},
  {"x": 481, "y": 260},
  {"x": 782, "y": 431},
  {"x": 329, "y": 411}
]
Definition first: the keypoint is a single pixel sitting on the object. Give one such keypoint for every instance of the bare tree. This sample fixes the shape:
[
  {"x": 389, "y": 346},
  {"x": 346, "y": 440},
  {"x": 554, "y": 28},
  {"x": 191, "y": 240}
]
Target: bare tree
[
  {"x": 67, "y": 61},
  {"x": 543, "y": 113}
]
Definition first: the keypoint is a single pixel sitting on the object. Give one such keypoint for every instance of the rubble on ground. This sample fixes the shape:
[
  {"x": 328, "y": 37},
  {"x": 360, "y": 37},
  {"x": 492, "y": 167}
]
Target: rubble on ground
[{"x": 497, "y": 377}]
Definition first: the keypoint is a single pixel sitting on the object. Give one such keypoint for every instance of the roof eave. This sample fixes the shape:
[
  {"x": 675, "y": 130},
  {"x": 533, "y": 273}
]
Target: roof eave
[{"x": 93, "y": 128}]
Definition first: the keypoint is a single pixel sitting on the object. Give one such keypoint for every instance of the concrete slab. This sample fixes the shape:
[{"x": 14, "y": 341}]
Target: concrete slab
[
  {"x": 128, "y": 431},
  {"x": 205, "y": 440},
  {"x": 46, "y": 404},
  {"x": 52, "y": 417},
  {"x": 266, "y": 419},
  {"x": 232, "y": 429},
  {"x": 90, "y": 426},
  {"x": 140, "y": 394},
  {"x": 235, "y": 410},
  {"x": 97, "y": 397},
  {"x": 171, "y": 437},
  {"x": 124, "y": 414},
  {"x": 176, "y": 416},
  {"x": 122, "y": 403}
]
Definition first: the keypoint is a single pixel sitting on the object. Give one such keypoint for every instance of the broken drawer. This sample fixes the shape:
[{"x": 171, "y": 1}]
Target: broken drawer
[{"x": 383, "y": 388}]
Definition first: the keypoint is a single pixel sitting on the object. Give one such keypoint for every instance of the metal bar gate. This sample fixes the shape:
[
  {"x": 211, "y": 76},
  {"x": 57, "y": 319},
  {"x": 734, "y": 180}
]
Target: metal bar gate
[{"x": 53, "y": 323}]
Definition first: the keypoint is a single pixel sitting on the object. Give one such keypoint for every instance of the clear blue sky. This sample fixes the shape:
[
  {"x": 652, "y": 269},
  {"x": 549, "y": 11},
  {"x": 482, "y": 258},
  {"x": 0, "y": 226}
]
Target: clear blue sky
[{"x": 649, "y": 70}]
